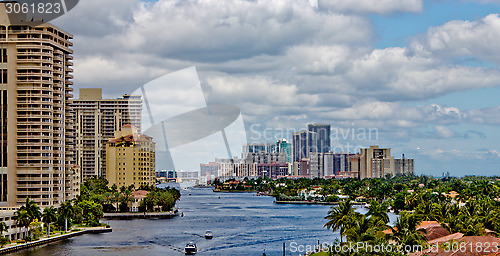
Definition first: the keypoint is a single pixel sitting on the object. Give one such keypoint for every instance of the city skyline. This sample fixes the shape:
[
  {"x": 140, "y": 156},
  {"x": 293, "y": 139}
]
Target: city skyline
[{"x": 423, "y": 73}]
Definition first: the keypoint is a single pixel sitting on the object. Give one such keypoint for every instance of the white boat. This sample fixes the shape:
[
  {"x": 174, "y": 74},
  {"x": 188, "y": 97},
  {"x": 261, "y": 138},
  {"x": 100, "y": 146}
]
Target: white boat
[
  {"x": 190, "y": 248},
  {"x": 209, "y": 235}
]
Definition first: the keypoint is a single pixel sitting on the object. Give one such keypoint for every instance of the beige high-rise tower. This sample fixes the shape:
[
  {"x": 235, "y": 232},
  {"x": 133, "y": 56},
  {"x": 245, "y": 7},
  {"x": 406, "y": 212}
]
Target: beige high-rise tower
[
  {"x": 97, "y": 120},
  {"x": 37, "y": 147}
]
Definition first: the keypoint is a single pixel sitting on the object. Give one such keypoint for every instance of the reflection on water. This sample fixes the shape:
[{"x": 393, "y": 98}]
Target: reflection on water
[{"x": 242, "y": 224}]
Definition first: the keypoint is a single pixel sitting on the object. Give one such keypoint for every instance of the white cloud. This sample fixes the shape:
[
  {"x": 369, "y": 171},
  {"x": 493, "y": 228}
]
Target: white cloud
[
  {"x": 485, "y": 115},
  {"x": 258, "y": 92},
  {"x": 398, "y": 115},
  {"x": 444, "y": 132},
  {"x": 458, "y": 38},
  {"x": 372, "y": 6},
  {"x": 287, "y": 63}
]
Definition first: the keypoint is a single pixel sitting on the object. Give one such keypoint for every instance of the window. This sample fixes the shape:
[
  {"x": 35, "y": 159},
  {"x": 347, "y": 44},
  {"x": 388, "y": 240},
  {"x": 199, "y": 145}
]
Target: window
[
  {"x": 3, "y": 76},
  {"x": 3, "y": 56}
]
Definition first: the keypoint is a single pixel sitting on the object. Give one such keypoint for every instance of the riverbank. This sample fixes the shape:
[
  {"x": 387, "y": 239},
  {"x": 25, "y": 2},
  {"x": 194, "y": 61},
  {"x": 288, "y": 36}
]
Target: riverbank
[
  {"x": 309, "y": 202},
  {"x": 140, "y": 215},
  {"x": 43, "y": 241},
  {"x": 234, "y": 191}
]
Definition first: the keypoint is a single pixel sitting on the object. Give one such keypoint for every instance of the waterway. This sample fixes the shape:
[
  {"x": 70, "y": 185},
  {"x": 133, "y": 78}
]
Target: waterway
[{"x": 242, "y": 224}]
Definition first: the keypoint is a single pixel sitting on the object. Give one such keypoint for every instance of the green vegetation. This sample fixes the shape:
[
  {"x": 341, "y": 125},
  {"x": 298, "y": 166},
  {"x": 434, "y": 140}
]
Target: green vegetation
[
  {"x": 467, "y": 205},
  {"x": 245, "y": 185},
  {"x": 112, "y": 199}
]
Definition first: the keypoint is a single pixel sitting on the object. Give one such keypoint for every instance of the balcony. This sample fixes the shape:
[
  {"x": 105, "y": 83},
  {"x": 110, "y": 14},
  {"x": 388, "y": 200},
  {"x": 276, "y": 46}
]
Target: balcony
[
  {"x": 33, "y": 46},
  {"x": 29, "y": 193},
  {"x": 34, "y": 185},
  {"x": 34, "y": 60}
]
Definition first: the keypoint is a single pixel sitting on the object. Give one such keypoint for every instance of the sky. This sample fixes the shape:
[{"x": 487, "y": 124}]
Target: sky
[{"x": 419, "y": 76}]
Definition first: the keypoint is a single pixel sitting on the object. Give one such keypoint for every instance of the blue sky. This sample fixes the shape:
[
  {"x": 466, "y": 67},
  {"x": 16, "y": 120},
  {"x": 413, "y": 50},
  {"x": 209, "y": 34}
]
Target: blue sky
[{"x": 423, "y": 73}]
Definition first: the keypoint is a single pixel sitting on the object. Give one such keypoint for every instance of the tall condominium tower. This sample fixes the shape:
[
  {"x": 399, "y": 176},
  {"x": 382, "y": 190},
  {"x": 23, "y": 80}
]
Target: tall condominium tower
[
  {"x": 323, "y": 136},
  {"x": 37, "y": 145},
  {"x": 97, "y": 120},
  {"x": 285, "y": 148},
  {"x": 304, "y": 142}
]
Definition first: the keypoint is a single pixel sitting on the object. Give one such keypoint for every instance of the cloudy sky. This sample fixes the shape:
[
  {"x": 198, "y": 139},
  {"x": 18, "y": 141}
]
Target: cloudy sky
[{"x": 423, "y": 74}]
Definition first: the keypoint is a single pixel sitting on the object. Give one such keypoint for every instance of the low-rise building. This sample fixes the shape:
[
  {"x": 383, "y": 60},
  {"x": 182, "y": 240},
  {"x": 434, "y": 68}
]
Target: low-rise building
[
  {"x": 13, "y": 232},
  {"x": 137, "y": 198}
]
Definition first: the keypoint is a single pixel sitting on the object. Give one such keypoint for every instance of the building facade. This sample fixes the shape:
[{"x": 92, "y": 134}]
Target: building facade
[
  {"x": 335, "y": 163},
  {"x": 304, "y": 142},
  {"x": 37, "y": 135},
  {"x": 323, "y": 132},
  {"x": 266, "y": 153},
  {"x": 208, "y": 172},
  {"x": 284, "y": 148},
  {"x": 375, "y": 162},
  {"x": 97, "y": 119},
  {"x": 130, "y": 159},
  {"x": 404, "y": 166}
]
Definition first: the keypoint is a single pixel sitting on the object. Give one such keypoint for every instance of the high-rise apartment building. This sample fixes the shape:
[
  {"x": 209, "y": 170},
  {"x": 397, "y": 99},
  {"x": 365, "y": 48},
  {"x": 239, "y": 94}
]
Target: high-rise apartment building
[
  {"x": 304, "y": 142},
  {"x": 376, "y": 162},
  {"x": 335, "y": 163},
  {"x": 266, "y": 153},
  {"x": 323, "y": 132},
  {"x": 258, "y": 148},
  {"x": 97, "y": 119},
  {"x": 404, "y": 166},
  {"x": 316, "y": 165},
  {"x": 37, "y": 144},
  {"x": 130, "y": 159},
  {"x": 284, "y": 148}
]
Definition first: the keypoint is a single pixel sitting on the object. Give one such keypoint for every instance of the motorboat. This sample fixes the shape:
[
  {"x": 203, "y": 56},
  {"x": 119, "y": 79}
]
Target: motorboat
[
  {"x": 209, "y": 235},
  {"x": 190, "y": 248}
]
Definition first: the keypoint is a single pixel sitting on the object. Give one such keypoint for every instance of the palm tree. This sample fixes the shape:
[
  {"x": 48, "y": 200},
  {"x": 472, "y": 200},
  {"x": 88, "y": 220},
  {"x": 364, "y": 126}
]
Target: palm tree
[
  {"x": 49, "y": 216},
  {"x": 411, "y": 200},
  {"x": 340, "y": 217},
  {"x": 125, "y": 198},
  {"x": 3, "y": 228},
  {"x": 362, "y": 230},
  {"x": 32, "y": 209},
  {"x": 427, "y": 210},
  {"x": 66, "y": 211},
  {"x": 405, "y": 230},
  {"x": 22, "y": 218},
  {"x": 379, "y": 211}
]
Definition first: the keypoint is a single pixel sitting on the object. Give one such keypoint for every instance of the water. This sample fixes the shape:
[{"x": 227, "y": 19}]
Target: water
[{"x": 242, "y": 224}]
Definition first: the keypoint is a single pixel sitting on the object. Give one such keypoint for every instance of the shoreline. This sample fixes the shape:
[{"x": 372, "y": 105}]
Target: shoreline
[
  {"x": 45, "y": 241},
  {"x": 307, "y": 202},
  {"x": 234, "y": 191},
  {"x": 140, "y": 215}
]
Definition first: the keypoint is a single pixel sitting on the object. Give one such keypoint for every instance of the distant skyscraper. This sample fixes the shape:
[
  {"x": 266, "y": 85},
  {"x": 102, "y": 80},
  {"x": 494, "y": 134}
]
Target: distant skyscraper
[
  {"x": 304, "y": 142},
  {"x": 284, "y": 148},
  {"x": 266, "y": 153},
  {"x": 323, "y": 136},
  {"x": 335, "y": 163},
  {"x": 258, "y": 148},
  {"x": 376, "y": 162},
  {"x": 97, "y": 120},
  {"x": 36, "y": 138}
]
